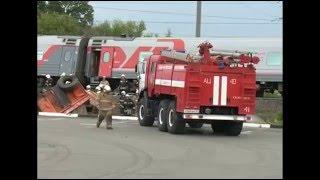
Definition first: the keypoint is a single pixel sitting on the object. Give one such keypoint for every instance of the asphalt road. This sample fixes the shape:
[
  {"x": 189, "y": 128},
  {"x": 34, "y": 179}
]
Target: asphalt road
[{"x": 75, "y": 148}]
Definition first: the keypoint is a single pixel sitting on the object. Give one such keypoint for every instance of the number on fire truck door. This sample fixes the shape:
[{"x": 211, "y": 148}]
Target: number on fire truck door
[{"x": 247, "y": 109}]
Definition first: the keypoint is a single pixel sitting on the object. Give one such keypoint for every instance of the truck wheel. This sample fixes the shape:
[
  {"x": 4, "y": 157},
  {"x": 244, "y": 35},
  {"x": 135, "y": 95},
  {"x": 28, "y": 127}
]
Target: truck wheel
[
  {"x": 144, "y": 119},
  {"x": 176, "y": 124},
  {"x": 218, "y": 127},
  {"x": 67, "y": 87},
  {"x": 163, "y": 115},
  {"x": 233, "y": 128},
  {"x": 195, "y": 124}
]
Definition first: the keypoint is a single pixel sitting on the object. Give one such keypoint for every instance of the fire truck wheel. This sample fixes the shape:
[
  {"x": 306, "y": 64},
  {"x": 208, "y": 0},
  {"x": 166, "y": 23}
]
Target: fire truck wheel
[
  {"x": 195, "y": 124},
  {"x": 218, "y": 127},
  {"x": 163, "y": 115},
  {"x": 144, "y": 119},
  {"x": 67, "y": 87},
  {"x": 233, "y": 128},
  {"x": 176, "y": 124}
]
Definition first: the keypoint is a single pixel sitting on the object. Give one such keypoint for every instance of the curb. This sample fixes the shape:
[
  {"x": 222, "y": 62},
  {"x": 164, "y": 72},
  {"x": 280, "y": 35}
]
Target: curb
[{"x": 276, "y": 126}]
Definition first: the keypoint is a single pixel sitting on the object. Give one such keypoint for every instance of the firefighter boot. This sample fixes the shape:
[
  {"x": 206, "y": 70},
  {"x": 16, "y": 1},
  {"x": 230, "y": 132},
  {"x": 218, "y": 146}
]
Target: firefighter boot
[
  {"x": 109, "y": 120},
  {"x": 100, "y": 119}
]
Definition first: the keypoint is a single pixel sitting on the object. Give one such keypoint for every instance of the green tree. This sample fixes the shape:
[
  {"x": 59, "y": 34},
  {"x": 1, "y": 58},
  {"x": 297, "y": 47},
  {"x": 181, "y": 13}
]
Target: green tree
[
  {"x": 80, "y": 10},
  {"x": 54, "y": 6},
  {"x": 58, "y": 24},
  {"x": 41, "y": 7},
  {"x": 141, "y": 28},
  {"x": 118, "y": 27},
  {"x": 150, "y": 35},
  {"x": 103, "y": 29},
  {"x": 169, "y": 33}
]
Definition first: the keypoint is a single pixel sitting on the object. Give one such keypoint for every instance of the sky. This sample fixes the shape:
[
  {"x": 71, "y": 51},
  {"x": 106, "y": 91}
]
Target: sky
[{"x": 219, "y": 18}]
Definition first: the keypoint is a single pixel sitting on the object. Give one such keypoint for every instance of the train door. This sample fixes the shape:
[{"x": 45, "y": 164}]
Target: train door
[
  {"x": 106, "y": 61},
  {"x": 67, "y": 62}
]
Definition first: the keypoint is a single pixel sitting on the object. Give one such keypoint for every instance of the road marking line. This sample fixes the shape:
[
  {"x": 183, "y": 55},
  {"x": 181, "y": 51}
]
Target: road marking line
[
  {"x": 87, "y": 124},
  {"x": 52, "y": 114},
  {"x": 246, "y": 132},
  {"x": 256, "y": 125},
  {"x": 103, "y": 123},
  {"x": 125, "y": 118}
]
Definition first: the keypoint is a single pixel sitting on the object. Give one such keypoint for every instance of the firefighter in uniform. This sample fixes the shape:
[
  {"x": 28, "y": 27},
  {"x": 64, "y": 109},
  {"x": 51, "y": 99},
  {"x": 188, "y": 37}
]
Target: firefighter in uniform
[
  {"x": 123, "y": 84},
  {"x": 106, "y": 105},
  {"x": 47, "y": 83},
  {"x": 104, "y": 82},
  {"x": 93, "y": 98}
]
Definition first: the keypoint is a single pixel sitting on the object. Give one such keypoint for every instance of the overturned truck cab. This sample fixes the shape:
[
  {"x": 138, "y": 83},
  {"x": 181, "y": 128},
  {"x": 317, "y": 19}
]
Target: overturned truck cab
[{"x": 66, "y": 96}]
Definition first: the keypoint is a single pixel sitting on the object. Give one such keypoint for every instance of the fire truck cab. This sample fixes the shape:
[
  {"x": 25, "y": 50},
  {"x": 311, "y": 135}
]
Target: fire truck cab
[{"x": 216, "y": 88}]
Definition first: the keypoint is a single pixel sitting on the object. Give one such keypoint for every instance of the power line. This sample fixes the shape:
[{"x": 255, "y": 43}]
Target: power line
[
  {"x": 181, "y": 2},
  {"x": 185, "y": 14},
  {"x": 154, "y": 22},
  {"x": 189, "y": 22},
  {"x": 263, "y": 12}
]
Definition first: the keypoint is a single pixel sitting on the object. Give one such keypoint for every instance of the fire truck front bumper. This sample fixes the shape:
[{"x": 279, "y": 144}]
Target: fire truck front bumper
[{"x": 217, "y": 117}]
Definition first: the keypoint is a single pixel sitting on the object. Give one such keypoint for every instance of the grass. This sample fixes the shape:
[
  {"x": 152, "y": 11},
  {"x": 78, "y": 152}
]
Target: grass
[
  {"x": 276, "y": 94},
  {"x": 276, "y": 120}
]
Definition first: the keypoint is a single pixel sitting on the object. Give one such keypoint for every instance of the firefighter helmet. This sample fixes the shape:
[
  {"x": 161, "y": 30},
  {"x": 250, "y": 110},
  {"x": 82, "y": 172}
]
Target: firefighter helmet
[
  {"x": 98, "y": 88},
  {"x": 88, "y": 87},
  {"x": 107, "y": 88},
  {"x": 63, "y": 74},
  {"x": 123, "y": 93}
]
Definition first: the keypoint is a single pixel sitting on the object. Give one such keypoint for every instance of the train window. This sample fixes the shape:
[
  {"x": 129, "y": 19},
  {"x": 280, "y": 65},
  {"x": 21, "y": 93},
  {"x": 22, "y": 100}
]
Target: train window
[
  {"x": 106, "y": 57},
  {"x": 274, "y": 58},
  {"x": 39, "y": 55},
  {"x": 67, "y": 56}
]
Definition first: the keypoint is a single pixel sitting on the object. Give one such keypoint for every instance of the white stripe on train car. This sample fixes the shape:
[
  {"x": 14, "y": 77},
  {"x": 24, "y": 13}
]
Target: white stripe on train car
[
  {"x": 215, "y": 88},
  {"x": 223, "y": 100}
]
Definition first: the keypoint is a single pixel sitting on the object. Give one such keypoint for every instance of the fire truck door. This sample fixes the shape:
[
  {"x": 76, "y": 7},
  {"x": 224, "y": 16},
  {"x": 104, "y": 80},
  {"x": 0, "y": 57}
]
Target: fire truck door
[
  {"x": 106, "y": 61},
  {"x": 151, "y": 78},
  {"x": 67, "y": 62}
]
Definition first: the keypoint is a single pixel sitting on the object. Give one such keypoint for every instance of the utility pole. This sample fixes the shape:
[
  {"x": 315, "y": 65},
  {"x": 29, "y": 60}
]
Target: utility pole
[{"x": 198, "y": 23}]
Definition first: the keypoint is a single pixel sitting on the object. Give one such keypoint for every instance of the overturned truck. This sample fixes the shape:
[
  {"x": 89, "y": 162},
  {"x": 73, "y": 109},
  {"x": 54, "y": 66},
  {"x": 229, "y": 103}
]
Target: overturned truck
[{"x": 66, "y": 96}]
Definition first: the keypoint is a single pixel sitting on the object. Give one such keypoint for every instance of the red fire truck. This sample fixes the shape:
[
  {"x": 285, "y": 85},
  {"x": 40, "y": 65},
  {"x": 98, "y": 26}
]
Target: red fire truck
[{"x": 217, "y": 88}]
